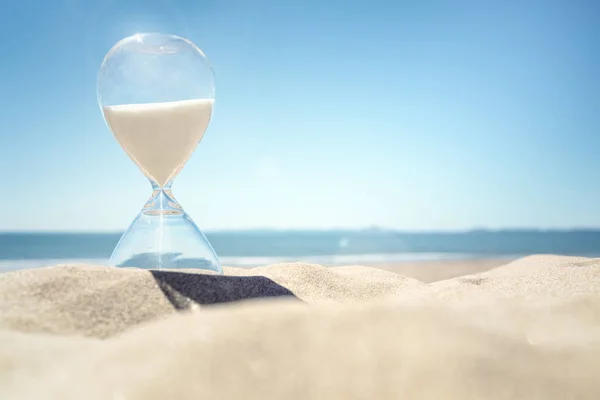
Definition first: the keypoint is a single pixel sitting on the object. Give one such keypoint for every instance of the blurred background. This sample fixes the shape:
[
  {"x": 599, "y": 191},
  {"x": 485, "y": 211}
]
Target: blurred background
[{"x": 343, "y": 131}]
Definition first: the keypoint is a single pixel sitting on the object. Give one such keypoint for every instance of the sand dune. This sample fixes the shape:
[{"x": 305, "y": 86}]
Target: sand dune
[{"x": 526, "y": 330}]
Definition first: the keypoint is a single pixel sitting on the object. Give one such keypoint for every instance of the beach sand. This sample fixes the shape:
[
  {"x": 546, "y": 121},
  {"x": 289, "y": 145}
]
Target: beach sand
[
  {"x": 437, "y": 270},
  {"x": 529, "y": 329}
]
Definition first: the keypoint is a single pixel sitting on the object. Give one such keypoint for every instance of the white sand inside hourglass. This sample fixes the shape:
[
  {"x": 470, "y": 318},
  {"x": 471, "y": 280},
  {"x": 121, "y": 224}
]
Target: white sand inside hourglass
[{"x": 160, "y": 137}]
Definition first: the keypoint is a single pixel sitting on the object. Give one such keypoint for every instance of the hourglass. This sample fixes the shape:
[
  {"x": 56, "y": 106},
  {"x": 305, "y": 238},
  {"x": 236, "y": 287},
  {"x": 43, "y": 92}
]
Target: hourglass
[{"x": 156, "y": 92}]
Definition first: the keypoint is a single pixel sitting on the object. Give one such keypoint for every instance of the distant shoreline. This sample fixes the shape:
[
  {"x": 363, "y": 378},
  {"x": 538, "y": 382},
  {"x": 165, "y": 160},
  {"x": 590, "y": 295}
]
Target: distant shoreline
[{"x": 491, "y": 231}]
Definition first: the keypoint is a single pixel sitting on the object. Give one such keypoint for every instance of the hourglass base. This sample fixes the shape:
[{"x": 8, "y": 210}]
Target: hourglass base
[{"x": 164, "y": 236}]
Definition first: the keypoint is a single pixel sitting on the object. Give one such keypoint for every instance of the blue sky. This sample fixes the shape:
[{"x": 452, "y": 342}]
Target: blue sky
[{"x": 410, "y": 115}]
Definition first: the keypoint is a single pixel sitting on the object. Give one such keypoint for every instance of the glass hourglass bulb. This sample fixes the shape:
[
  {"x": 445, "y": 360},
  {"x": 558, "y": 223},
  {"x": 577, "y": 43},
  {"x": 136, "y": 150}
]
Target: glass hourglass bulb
[{"x": 156, "y": 93}]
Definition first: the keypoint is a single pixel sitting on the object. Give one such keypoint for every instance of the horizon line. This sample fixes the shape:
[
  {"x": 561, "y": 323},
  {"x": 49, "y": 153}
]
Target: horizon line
[{"x": 333, "y": 229}]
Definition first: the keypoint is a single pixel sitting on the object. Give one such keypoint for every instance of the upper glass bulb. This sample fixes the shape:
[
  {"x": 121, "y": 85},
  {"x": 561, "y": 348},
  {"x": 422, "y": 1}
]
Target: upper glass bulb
[
  {"x": 154, "y": 68},
  {"x": 156, "y": 92}
]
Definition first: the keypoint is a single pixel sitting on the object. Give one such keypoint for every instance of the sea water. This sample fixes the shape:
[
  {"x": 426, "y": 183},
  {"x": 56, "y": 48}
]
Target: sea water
[{"x": 259, "y": 247}]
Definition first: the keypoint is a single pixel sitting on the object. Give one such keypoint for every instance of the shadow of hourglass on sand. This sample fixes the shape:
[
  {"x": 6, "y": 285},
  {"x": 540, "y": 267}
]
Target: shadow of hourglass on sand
[{"x": 184, "y": 288}]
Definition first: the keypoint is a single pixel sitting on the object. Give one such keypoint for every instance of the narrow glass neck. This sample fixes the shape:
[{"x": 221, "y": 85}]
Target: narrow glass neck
[
  {"x": 156, "y": 186},
  {"x": 162, "y": 201}
]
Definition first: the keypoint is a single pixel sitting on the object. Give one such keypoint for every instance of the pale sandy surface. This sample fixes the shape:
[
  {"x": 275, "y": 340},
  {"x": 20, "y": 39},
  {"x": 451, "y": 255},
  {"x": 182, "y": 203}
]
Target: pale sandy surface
[
  {"x": 526, "y": 330},
  {"x": 431, "y": 271}
]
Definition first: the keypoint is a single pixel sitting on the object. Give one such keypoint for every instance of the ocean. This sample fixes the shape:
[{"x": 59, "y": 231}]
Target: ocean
[{"x": 335, "y": 247}]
